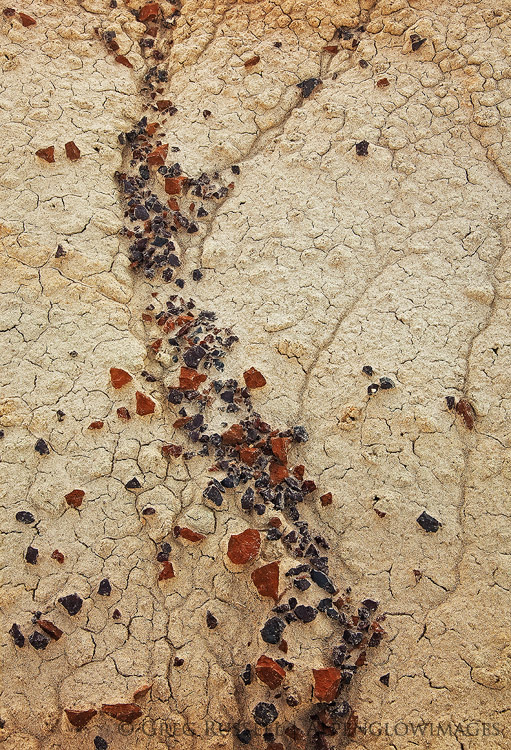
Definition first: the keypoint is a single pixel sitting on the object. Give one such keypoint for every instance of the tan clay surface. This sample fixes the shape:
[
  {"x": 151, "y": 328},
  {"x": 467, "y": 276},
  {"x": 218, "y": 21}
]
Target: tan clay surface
[{"x": 321, "y": 261}]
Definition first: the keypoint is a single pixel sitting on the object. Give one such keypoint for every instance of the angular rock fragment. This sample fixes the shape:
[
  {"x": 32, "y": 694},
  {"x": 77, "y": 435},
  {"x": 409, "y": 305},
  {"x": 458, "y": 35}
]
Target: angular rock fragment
[
  {"x": 58, "y": 556},
  {"x": 145, "y": 404},
  {"x": 72, "y": 151},
  {"x": 244, "y": 736},
  {"x": 323, "y": 581},
  {"x": 253, "y": 378},
  {"x": 362, "y": 149},
  {"x": 308, "y": 86},
  {"x": 27, "y": 21},
  {"x": 38, "y": 641},
  {"x": 79, "y": 719},
  {"x": 50, "y": 628},
  {"x": 264, "y": 714},
  {"x": 297, "y": 736},
  {"x": 243, "y": 548},
  {"x": 428, "y": 523},
  {"x": 211, "y": 620},
  {"x": 272, "y": 630},
  {"x": 100, "y": 743},
  {"x": 167, "y": 571},
  {"x": 17, "y": 635},
  {"x": 24, "y": 516},
  {"x": 190, "y": 535},
  {"x": 466, "y": 410},
  {"x": 72, "y": 603},
  {"x": 42, "y": 447},
  {"x": 105, "y": 587},
  {"x": 75, "y": 498},
  {"x": 47, "y": 154},
  {"x": 326, "y": 683},
  {"x": 125, "y": 712},
  {"x": 133, "y": 484},
  {"x": 31, "y": 555},
  {"x": 266, "y": 580},
  {"x": 269, "y": 672},
  {"x": 119, "y": 377},
  {"x": 97, "y": 425}
]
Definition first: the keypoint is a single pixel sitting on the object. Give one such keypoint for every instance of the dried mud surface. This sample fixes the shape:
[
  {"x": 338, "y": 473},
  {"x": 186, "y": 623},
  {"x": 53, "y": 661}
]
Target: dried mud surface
[{"x": 321, "y": 261}]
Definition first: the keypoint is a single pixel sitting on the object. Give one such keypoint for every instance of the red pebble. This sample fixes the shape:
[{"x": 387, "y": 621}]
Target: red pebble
[
  {"x": 48, "y": 154},
  {"x": 191, "y": 536},
  {"x": 189, "y": 380},
  {"x": 148, "y": 12},
  {"x": 253, "y": 378},
  {"x": 269, "y": 672},
  {"x": 244, "y": 547},
  {"x": 266, "y": 580},
  {"x": 326, "y": 683},
  {"x": 125, "y": 712},
  {"x": 27, "y": 20},
  {"x": 79, "y": 718},
  {"x": 50, "y": 628},
  {"x": 277, "y": 473},
  {"x": 326, "y": 499},
  {"x": 171, "y": 451},
  {"x": 174, "y": 185},
  {"x": 157, "y": 157},
  {"x": 166, "y": 572},
  {"x": 119, "y": 377},
  {"x": 466, "y": 410},
  {"x": 123, "y": 61},
  {"x": 58, "y": 556},
  {"x": 234, "y": 435},
  {"x": 72, "y": 151},
  {"x": 123, "y": 413},
  {"x": 145, "y": 404},
  {"x": 97, "y": 425},
  {"x": 75, "y": 498}
]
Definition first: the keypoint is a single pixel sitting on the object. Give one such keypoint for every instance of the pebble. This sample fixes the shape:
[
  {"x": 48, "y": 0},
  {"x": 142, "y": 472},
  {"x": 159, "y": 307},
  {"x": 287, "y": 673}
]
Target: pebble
[
  {"x": 78, "y": 718},
  {"x": 362, "y": 149},
  {"x": 243, "y": 548},
  {"x": 125, "y": 712},
  {"x": 272, "y": 630},
  {"x": 428, "y": 523},
  {"x": 211, "y": 620},
  {"x": 265, "y": 714},
  {"x": 31, "y": 555},
  {"x": 384, "y": 679},
  {"x": 105, "y": 588},
  {"x": 244, "y": 736},
  {"x": 38, "y": 641},
  {"x": 307, "y": 87},
  {"x": 323, "y": 581},
  {"x": 72, "y": 603},
  {"x": 42, "y": 447},
  {"x": 386, "y": 384},
  {"x": 24, "y": 516},
  {"x": 270, "y": 672},
  {"x": 266, "y": 580},
  {"x": 305, "y": 613},
  {"x": 100, "y": 743},
  {"x": 17, "y": 635}
]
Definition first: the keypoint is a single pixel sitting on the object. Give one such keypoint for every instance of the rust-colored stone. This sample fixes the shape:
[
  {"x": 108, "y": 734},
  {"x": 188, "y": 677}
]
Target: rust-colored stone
[
  {"x": 275, "y": 746},
  {"x": 351, "y": 724},
  {"x": 119, "y": 377},
  {"x": 382, "y": 83},
  {"x": 58, "y": 556},
  {"x": 326, "y": 499},
  {"x": 163, "y": 104},
  {"x": 252, "y": 61},
  {"x": 297, "y": 736},
  {"x": 466, "y": 410},
  {"x": 171, "y": 451},
  {"x": 266, "y": 580},
  {"x": 279, "y": 448},
  {"x": 157, "y": 157},
  {"x": 125, "y": 712},
  {"x": 174, "y": 185},
  {"x": 145, "y": 404},
  {"x": 48, "y": 154},
  {"x": 278, "y": 472},
  {"x": 275, "y": 522},
  {"x": 149, "y": 12},
  {"x": 244, "y": 547},
  {"x": 270, "y": 672},
  {"x": 152, "y": 127},
  {"x": 173, "y": 204},
  {"x": 234, "y": 435},
  {"x": 50, "y": 628},
  {"x": 332, "y": 49},
  {"x": 326, "y": 683},
  {"x": 73, "y": 153},
  {"x": 166, "y": 572},
  {"x": 299, "y": 471},
  {"x": 123, "y": 413},
  {"x": 189, "y": 380},
  {"x": 141, "y": 692},
  {"x": 253, "y": 378},
  {"x": 248, "y": 454},
  {"x": 27, "y": 20},
  {"x": 191, "y": 536},
  {"x": 156, "y": 345},
  {"x": 123, "y": 61},
  {"x": 97, "y": 425},
  {"x": 283, "y": 646},
  {"x": 75, "y": 498},
  {"x": 80, "y": 718}
]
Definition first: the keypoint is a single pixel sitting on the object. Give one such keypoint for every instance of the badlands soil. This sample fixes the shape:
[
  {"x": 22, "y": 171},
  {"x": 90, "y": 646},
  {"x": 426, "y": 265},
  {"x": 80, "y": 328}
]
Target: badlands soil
[{"x": 322, "y": 261}]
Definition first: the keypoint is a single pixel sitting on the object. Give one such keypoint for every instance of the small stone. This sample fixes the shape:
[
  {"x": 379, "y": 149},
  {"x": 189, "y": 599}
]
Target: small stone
[
  {"x": 269, "y": 672},
  {"x": 416, "y": 41},
  {"x": 75, "y": 498},
  {"x": 326, "y": 683},
  {"x": 253, "y": 378},
  {"x": 42, "y": 447},
  {"x": 149, "y": 12},
  {"x": 368, "y": 370},
  {"x": 384, "y": 679},
  {"x": 58, "y": 556},
  {"x": 141, "y": 692},
  {"x": 47, "y": 154},
  {"x": 125, "y": 712},
  {"x": 17, "y": 635},
  {"x": 211, "y": 620},
  {"x": 122, "y": 60},
  {"x": 451, "y": 402},
  {"x": 148, "y": 511},
  {"x": 302, "y": 584},
  {"x": 105, "y": 588},
  {"x": 24, "y": 516},
  {"x": 297, "y": 736},
  {"x": 326, "y": 499},
  {"x": 428, "y": 523},
  {"x": 353, "y": 637},
  {"x": 145, "y": 404},
  {"x": 323, "y": 581},
  {"x": 133, "y": 484},
  {"x": 362, "y": 149},
  {"x": 116, "y": 615},
  {"x": 244, "y": 547},
  {"x": 386, "y": 384},
  {"x": 245, "y": 735},
  {"x": 265, "y": 714},
  {"x": 167, "y": 572},
  {"x": 99, "y": 742},
  {"x": 28, "y": 21},
  {"x": 382, "y": 83},
  {"x": 246, "y": 675},
  {"x": 305, "y": 613},
  {"x": 72, "y": 151},
  {"x": 123, "y": 413},
  {"x": 252, "y": 61},
  {"x": 266, "y": 580},
  {"x": 38, "y": 641},
  {"x": 308, "y": 86},
  {"x": 272, "y": 630},
  {"x": 31, "y": 555},
  {"x": 97, "y": 425},
  {"x": 79, "y": 718},
  {"x": 178, "y": 662},
  {"x": 191, "y": 536},
  {"x": 119, "y": 377},
  {"x": 373, "y": 388},
  {"x": 466, "y": 410},
  {"x": 72, "y": 603},
  {"x": 50, "y": 628}
]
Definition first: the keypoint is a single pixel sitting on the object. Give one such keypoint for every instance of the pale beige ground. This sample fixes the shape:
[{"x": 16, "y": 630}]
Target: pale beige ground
[{"x": 323, "y": 262}]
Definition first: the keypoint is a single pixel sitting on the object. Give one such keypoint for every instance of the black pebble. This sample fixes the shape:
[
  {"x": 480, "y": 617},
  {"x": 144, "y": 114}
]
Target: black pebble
[
  {"x": 41, "y": 447},
  {"x": 384, "y": 679},
  {"x": 211, "y": 620},
  {"x": 451, "y": 402},
  {"x": 428, "y": 523},
  {"x": 386, "y": 384},
  {"x": 235, "y": 169},
  {"x": 338, "y": 655},
  {"x": 23, "y": 516},
  {"x": 246, "y": 675},
  {"x": 323, "y": 581},
  {"x": 197, "y": 274},
  {"x": 305, "y": 614},
  {"x": 373, "y": 388},
  {"x": 302, "y": 584},
  {"x": 17, "y": 635},
  {"x": 244, "y": 736},
  {"x": 105, "y": 588},
  {"x": 353, "y": 637},
  {"x": 31, "y": 555},
  {"x": 265, "y": 714},
  {"x": 100, "y": 743},
  {"x": 308, "y": 86},
  {"x": 71, "y": 602},
  {"x": 38, "y": 640},
  {"x": 272, "y": 631},
  {"x": 133, "y": 484},
  {"x": 368, "y": 370},
  {"x": 362, "y": 148}
]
